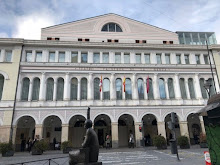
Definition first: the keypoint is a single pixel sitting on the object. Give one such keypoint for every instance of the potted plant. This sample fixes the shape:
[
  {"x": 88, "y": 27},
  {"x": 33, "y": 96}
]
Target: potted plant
[
  {"x": 160, "y": 142},
  {"x": 6, "y": 149},
  {"x": 39, "y": 147},
  {"x": 203, "y": 141},
  {"x": 66, "y": 146},
  {"x": 183, "y": 142}
]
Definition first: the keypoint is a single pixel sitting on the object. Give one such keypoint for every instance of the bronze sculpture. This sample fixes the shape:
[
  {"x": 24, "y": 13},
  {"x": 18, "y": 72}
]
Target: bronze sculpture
[{"x": 89, "y": 152}]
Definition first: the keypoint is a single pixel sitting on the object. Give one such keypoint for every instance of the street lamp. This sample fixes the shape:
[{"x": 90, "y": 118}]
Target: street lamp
[{"x": 207, "y": 87}]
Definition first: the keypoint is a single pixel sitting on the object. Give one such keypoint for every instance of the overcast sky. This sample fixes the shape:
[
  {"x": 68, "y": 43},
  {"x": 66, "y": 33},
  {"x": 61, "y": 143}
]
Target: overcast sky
[{"x": 25, "y": 18}]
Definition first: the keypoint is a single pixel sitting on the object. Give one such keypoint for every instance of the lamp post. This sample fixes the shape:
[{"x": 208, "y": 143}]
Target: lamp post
[{"x": 207, "y": 87}]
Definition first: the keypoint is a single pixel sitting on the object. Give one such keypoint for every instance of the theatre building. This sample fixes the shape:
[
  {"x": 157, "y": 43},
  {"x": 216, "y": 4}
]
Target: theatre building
[{"x": 128, "y": 72}]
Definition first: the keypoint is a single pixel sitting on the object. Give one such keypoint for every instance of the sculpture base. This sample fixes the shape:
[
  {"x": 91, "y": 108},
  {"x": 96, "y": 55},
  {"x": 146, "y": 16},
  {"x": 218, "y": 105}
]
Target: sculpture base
[{"x": 95, "y": 163}]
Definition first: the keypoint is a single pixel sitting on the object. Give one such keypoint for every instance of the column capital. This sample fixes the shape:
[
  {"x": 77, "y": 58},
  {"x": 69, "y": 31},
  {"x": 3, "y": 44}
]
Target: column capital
[
  {"x": 155, "y": 74},
  {"x": 38, "y": 125},
  {"x": 65, "y": 125},
  {"x": 43, "y": 73},
  {"x": 176, "y": 74},
  {"x": 137, "y": 123},
  {"x": 90, "y": 73},
  {"x": 114, "y": 123},
  {"x": 67, "y": 73},
  {"x": 197, "y": 74},
  {"x": 183, "y": 122}
]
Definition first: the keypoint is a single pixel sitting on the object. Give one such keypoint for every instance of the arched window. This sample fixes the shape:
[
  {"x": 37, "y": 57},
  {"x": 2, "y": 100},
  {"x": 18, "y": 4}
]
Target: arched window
[
  {"x": 74, "y": 89},
  {"x": 212, "y": 88},
  {"x": 118, "y": 84},
  {"x": 96, "y": 89},
  {"x": 25, "y": 89},
  {"x": 162, "y": 89},
  {"x": 182, "y": 88},
  {"x": 36, "y": 89},
  {"x": 60, "y": 88},
  {"x": 128, "y": 90},
  {"x": 171, "y": 88},
  {"x": 150, "y": 92},
  {"x": 50, "y": 86},
  {"x": 203, "y": 91},
  {"x": 1, "y": 85},
  {"x": 106, "y": 89},
  {"x": 191, "y": 88},
  {"x": 140, "y": 85},
  {"x": 111, "y": 27},
  {"x": 83, "y": 89}
]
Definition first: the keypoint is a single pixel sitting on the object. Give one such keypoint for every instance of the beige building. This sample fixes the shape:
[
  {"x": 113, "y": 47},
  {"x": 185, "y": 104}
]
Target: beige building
[
  {"x": 10, "y": 53},
  {"x": 146, "y": 74}
]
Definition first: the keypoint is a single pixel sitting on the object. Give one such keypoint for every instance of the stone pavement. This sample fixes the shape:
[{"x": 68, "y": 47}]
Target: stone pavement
[{"x": 121, "y": 156}]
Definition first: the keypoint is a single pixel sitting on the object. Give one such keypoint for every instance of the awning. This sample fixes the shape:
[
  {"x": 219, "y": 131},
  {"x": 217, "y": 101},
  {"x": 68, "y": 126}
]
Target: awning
[{"x": 207, "y": 108}]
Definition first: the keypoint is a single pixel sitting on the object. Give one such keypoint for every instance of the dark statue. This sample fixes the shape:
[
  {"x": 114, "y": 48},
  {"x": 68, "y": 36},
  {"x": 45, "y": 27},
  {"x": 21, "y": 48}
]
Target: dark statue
[{"x": 89, "y": 152}]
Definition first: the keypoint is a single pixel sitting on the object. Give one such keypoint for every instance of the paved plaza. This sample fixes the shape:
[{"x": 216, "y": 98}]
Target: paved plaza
[{"x": 121, "y": 156}]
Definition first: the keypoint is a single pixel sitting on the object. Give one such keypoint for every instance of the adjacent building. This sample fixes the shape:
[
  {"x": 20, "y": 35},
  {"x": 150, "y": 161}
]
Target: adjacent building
[{"x": 129, "y": 73}]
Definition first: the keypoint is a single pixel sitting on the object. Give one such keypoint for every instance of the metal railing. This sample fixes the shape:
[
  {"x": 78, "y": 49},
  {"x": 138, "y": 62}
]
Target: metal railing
[{"x": 46, "y": 161}]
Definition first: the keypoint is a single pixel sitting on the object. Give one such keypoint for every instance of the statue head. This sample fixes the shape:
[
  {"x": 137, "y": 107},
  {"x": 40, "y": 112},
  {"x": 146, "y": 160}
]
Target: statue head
[{"x": 88, "y": 123}]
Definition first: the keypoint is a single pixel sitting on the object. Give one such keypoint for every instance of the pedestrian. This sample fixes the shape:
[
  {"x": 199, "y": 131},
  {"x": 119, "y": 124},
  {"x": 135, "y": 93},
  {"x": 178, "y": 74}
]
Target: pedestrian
[
  {"x": 54, "y": 143},
  {"x": 108, "y": 141},
  {"x": 131, "y": 140},
  {"x": 29, "y": 143}
]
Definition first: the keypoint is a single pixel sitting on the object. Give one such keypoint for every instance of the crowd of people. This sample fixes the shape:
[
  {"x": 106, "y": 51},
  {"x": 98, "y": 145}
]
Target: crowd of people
[{"x": 26, "y": 145}]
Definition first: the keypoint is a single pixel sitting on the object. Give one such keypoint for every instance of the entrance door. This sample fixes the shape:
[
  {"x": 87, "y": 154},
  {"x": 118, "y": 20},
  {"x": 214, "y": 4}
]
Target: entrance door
[{"x": 101, "y": 137}]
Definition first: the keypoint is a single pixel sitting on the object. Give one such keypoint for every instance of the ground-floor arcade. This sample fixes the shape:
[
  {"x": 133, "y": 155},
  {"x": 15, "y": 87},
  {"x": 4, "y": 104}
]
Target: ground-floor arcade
[{"x": 62, "y": 125}]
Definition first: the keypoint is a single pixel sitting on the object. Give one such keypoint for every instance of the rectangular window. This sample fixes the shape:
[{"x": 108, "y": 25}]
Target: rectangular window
[
  {"x": 105, "y": 58},
  {"x": 206, "y": 59},
  {"x": 28, "y": 57},
  {"x": 197, "y": 59},
  {"x": 127, "y": 58},
  {"x": 52, "y": 57},
  {"x": 138, "y": 58},
  {"x": 39, "y": 57},
  {"x": 167, "y": 57},
  {"x": 61, "y": 57},
  {"x": 158, "y": 58},
  {"x": 84, "y": 57},
  {"x": 117, "y": 58},
  {"x": 186, "y": 56},
  {"x": 178, "y": 59},
  {"x": 147, "y": 58},
  {"x": 96, "y": 58},
  {"x": 74, "y": 57},
  {"x": 8, "y": 56}
]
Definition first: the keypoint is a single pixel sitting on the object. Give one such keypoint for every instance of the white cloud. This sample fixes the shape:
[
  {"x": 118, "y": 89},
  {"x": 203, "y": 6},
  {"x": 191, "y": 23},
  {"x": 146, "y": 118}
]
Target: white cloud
[
  {"x": 3, "y": 35},
  {"x": 29, "y": 27}
]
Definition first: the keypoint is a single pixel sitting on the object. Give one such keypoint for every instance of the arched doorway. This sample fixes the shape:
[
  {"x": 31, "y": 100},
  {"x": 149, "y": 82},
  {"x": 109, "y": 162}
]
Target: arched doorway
[
  {"x": 52, "y": 127},
  {"x": 25, "y": 130},
  {"x": 149, "y": 128},
  {"x": 194, "y": 128},
  {"x": 125, "y": 125},
  {"x": 77, "y": 130},
  {"x": 177, "y": 127},
  {"x": 102, "y": 126}
]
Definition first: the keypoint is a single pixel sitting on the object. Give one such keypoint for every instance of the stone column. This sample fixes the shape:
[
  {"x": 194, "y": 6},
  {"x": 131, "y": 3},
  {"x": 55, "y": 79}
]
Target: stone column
[
  {"x": 161, "y": 128},
  {"x": 90, "y": 89},
  {"x": 134, "y": 88},
  {"x": 155, "y": 87},
  {"x": 114, "y": 135},
  {"x": 197, "y": 87},
  {"x": 187, "y": 89},
  {"x": 163, "y": 59},
  {"x": 79, "y": 57},
  {"x": 67, "y": 87},
  {"x": 101, "y": 53},
  {"x": 112, "y": 87},
  {"x": 123, "y": 93},
  {"x": 14, "y": 134},
  {"x": 65, "y": 132},
  {"x": 122, "y": 58},
  {"x": 138, "y": 134},
  {"x": 145, "y": 89},
  {"x": 202, "y": 124},
  {"x": 177, "y": 87},
  {"x": 55, "y": 90},
  {"x": 142, "y": 58},
  {"x": 182, "y": 59},
  {"x": 33, "y": 55},
  {"x": 184, "y": 128},
  {"x": 167, "y": 90},
  {"x": 30, "y": 90},
  {"x": 42, "y": 87},
  {"x": 216, "y": 83},
  {"x": 78, "y": 90},
  {"x": 39, "y": 130}
]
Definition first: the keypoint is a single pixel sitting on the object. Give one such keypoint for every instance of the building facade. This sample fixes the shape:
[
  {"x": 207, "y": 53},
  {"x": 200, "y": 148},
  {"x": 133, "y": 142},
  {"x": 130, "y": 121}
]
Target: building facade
[{"x": 129, "y": 73}]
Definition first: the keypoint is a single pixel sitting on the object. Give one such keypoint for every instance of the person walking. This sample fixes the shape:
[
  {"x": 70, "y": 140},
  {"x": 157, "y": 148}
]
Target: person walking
[
  {"x": 54, "y": 143},
  {"x": 131, "y": 140},
  {"x": 108, "y": 141}
]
